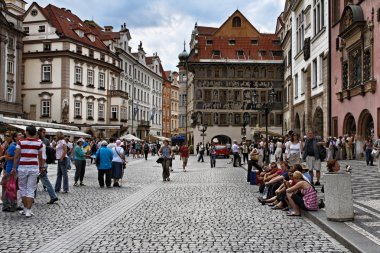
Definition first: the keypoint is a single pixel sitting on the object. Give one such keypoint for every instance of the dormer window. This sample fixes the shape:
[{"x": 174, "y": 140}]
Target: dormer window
[
  {"x": 232, "y": 42},
  {"x": 255, "y": 42},
  {"x": 80, "y": 33},
  {"x": 276, "y": 42},
  {"x": 79, "y": 49},
  {"x": 91, "y": 37},
  {"x": 41, "y": 29},
  {"x": 240, "y": 53},
  {"x": 209, "y": 42}
]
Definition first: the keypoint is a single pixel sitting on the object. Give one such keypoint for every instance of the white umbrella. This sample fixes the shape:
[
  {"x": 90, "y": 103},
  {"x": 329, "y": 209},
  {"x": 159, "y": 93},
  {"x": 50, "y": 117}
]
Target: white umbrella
[
  {"x": 215, "y": 140},
  {"x": 129, "y": 137}
]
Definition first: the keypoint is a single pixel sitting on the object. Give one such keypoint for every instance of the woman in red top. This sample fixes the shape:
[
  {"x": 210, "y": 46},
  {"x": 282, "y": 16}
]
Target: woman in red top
[{"x": 184, "y": 153}]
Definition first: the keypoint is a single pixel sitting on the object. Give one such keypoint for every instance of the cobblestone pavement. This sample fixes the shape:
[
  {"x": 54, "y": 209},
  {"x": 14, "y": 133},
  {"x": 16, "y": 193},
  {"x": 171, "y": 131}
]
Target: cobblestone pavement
[{"x": 202, "y": 210}]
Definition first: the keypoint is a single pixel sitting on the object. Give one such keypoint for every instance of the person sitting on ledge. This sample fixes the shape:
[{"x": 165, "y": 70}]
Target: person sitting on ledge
[{"x": 301, "y": 196}]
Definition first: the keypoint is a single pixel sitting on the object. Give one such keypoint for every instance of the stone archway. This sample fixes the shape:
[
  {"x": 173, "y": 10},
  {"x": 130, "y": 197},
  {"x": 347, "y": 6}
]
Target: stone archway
[
  {"x": 366, "y": 125},
  {"x": 297, "y": 124},
  {"x": 318, "y": 122},
  {"x": 349, "y": 125},
  {"x": 223, "y": 139}
]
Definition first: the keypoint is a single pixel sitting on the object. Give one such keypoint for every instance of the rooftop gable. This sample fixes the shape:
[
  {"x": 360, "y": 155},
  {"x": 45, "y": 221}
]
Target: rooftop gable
[{"x": 229, "y": 29}]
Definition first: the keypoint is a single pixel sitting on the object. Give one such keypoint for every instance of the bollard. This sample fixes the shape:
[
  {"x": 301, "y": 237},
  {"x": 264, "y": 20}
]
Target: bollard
[{"x": 338, "y": 197}]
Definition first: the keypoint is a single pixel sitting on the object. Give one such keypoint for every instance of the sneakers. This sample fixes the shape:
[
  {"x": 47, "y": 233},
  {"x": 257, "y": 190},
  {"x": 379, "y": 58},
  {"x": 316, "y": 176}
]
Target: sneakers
[
  {"x": 52, "y": 201},
  {"x": 28, "y": 213},
  {"x": 23, "y": 212},
  {"x": 76, "y": 184}
]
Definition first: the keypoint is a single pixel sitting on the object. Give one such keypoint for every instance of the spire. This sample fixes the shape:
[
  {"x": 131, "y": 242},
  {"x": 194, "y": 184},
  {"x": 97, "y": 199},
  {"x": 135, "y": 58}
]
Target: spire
[{"x": 184, "y": 55}]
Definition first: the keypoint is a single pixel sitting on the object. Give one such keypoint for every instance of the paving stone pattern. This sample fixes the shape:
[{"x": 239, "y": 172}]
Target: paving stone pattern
[{"x": 202, "y": 210}]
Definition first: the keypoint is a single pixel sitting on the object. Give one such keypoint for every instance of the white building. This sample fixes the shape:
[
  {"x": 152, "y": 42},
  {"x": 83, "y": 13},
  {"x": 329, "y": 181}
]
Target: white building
[{"x": 309, "y": 19}]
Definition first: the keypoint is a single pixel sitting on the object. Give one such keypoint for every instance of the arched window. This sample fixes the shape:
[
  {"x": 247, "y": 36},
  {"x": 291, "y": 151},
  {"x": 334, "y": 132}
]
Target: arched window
[{"x": 236, "y": 22}]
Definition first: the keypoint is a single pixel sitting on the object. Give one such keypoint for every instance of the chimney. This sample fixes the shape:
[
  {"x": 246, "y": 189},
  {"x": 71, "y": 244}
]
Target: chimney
[{"x": 108, "y": 28}]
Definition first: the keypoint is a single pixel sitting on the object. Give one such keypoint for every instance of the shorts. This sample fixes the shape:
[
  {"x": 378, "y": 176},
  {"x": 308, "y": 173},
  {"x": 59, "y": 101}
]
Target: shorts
[
  {"x": 184, "y": 161},
  {"x": 298, "y": 199},
  {"x": 313, "y": 164},
  {"x": 27, "y": 181}
]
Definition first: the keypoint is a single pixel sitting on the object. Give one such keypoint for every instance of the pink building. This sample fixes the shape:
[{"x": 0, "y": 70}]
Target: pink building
[{"x": 355, "y": 69}]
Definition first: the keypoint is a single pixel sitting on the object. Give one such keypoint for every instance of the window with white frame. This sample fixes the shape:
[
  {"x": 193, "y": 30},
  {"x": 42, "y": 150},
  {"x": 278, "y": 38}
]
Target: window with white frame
[
  {"x": 321, "y": 69},
  {"x": 46, "y": 73},
  {"x": 296, "y": 86},
  {"x": 318, "y": 15},
  {"x": 101, "y": 80},
  {"x": 300, "y": 33},
  {"x": 315, "y": 72},
  {"x": 90, "y": 110},
  {"x": 78, "y": 75},
  {"x": 10, "y": 94},
  {"x": 10, "y": 67},
  {"x": 78, "y": 109},
  {"x": 114, "y": 112},
  {"x": 45, "y": 107},
  {"x": 302, "y": 80},
  {"x": 90, "y": 78},
  {"x": 101, "y": 111}
]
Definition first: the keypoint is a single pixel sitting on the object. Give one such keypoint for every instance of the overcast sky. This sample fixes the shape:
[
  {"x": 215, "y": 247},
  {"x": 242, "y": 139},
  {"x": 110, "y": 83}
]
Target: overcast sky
[{"x": 163, "y": 25}]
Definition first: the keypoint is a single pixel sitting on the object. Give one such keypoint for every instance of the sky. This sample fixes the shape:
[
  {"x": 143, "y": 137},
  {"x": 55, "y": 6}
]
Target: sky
[{"x": 164, "y": 25}]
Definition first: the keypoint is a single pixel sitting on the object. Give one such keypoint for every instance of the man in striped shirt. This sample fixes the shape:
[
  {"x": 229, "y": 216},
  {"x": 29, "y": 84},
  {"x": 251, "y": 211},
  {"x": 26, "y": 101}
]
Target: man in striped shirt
[{"x": 28, "y": 156}]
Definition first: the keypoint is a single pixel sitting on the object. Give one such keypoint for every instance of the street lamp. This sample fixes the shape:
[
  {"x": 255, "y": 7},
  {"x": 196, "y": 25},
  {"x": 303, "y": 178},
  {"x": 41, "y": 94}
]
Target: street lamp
[
  {"x": 202, "y": 128},
  {"x": 266, "y": 108}
]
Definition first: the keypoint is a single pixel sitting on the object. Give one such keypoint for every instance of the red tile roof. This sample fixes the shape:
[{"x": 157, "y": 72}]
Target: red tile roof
[
  {"x": 149, "y": 60},
  {"x": 66, "y": 23}
]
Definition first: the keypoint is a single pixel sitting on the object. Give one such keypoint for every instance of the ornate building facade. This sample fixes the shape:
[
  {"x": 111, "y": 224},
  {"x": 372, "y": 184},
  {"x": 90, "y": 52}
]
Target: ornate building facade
[
  {"x": 228, "y": 63},
  {"x": 355, "y": 69},
  {"x": 11, "y": 36},
  {"x": 174, "y": 104},
  {"x": 166, "y": 105}
]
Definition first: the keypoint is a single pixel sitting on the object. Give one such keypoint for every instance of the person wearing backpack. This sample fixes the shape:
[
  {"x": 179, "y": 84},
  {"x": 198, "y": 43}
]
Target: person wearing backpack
[
  {"x": 146, "y": 150},
  {"x": 43, "y": 174}
]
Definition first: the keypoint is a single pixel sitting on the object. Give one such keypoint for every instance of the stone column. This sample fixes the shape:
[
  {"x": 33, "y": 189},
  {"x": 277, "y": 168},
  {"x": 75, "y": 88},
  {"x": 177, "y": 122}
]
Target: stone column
[{"x": 308, "y": 103}]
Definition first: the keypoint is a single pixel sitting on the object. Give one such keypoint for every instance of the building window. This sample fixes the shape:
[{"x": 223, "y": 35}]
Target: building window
[
  {"x": 41, "y": 29},
  {"x": 355, "y": 67},
  {"x": 10, "y": 67},
  {"x": 236, "y": 22},
  {"x": 240, "y": 54},
  {"x": 255, "y": 42},
  {"x": 102, "y": 57},
  {"x": 11, "y": 43},
  {"x": 315, "y": 72},
  {"x": 321, "y": 69},
  {"x": 10, "y": 94},
  {"x": 318, "y": 14},
  {"x": 47, "y": 46},
  {"x": 209, "y": 42},
  {"x": 232, "y": 42},
  {"x": 90, "y": 78},
  {"x": 277, "y": 53},
  {"x": 45, "y": 108},
  {"x": 101, "y": 81},
  {"x": 91, "y": 53},
  {"x": 79, "y": 49},
  {"x": 296, "y": 86},
  {"x": 78, "y": 75},
  {"x": 78, "y": 109},
  {"x": 90, "y": 111},
  {"x": 26, "y": 29},
  {"x": 123, "y": 112},
  {"x": 100, "y": 111},
  {"x": 114, "y": 113},
  {"x": 46, "y": 73},
  {"x": 300, "y": 32}
]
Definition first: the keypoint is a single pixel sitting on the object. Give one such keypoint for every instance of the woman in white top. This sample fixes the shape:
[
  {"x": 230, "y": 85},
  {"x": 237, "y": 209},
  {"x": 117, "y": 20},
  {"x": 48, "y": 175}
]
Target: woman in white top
[
  {"x": 118, "y": 161},
  {"x": 294, "y": 150},
  {"x": 278, "y": 151}
]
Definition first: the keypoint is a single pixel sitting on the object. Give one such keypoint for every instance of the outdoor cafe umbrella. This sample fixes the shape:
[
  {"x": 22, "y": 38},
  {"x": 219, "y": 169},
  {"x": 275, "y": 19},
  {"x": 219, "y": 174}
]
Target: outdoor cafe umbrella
[{"x": 129, "y": 137}]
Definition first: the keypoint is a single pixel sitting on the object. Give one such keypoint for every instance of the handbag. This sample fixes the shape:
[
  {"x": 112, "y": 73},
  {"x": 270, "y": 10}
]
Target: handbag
[
  {"x": 254, "y": 155},
  {"x": 124, "y": 162},
  {"x": 159, "y": 160},
  {"x": 375, "y": 153},
  {"x": 11, "y": 190}
]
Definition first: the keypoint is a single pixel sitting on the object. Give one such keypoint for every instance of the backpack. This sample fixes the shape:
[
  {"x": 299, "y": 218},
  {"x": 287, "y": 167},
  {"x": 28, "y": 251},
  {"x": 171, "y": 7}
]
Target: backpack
[
  {"x": 146, "y": 147},
  {"x": 322, "y": 152},
  {"x": 50, "y": 155}
]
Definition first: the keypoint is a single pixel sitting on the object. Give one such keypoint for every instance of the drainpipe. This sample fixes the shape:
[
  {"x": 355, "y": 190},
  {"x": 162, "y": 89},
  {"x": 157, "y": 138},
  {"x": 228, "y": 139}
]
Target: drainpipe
[{"x": 329, "y": 74}]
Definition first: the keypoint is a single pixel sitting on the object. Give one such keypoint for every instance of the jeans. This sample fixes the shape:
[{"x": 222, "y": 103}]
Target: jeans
[
  {"x": 80, "y": 169},
  {"x": 46, "y": 182},
  {"x": 101, "y": 174},
  {"x": 201, "y": 156},
  {"x": 62, "y": 173},
  {"x": 236, "y": 159},
  {"x": 368, "y": 156},
  {"x": 165, "y": 168},
  {"x": 245, "y": 157},
  {"x": 212, "y": 160}
]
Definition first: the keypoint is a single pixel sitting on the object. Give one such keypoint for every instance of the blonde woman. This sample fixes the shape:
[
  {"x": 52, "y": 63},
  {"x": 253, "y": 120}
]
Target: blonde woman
[{"x": 61, "y": 155}]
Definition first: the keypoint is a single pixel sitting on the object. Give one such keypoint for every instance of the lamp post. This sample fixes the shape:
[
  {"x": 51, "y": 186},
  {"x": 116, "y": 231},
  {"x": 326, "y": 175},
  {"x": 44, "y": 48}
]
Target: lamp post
[
  {"x": 202, "y": 128},
  {"x": 266, "y": 108}
]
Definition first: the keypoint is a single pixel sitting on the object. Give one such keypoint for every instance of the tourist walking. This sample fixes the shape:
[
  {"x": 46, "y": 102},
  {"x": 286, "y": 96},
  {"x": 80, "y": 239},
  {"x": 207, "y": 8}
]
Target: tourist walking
[
  {"x": 235, "y": 152},
  {"x": 212, "y": 153},
  {"x": 118, "y": 161},
  {"x": 28, "y": 157},
  {"x": 43, "y": 177},
  {"x": 166, "y": 153},
  {"x": 184, "y": 154},
  {"x": 349, "y": 142},
  {"x": 9, "y": 204},
  {"x": 201, "y": 152},
  {"x": 104, "y": 157},
  {"x": 368, "y": 146},
  {"x": 80, "y": 162},
  {"x": 146, "y": 150},
  {"x": 311, "y": 156},
  {"x": 61, "y": 155}
]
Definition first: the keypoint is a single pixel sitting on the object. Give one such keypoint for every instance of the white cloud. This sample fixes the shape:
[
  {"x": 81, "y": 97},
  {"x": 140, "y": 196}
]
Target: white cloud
[{"x": 163, "y": 25}]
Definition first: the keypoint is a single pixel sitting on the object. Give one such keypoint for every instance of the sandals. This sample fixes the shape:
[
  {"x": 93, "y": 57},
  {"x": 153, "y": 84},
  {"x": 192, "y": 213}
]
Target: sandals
[
  {"x": 276, "y": 208},
  {"x": 293, "y": 214}
]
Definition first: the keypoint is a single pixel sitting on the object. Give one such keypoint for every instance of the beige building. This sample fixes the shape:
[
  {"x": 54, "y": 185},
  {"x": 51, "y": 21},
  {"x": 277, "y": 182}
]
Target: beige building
[
  {"x": 174, "y": 104},
  {"x": 11, "y": 58},
  {"x": 72, "y": 72}
]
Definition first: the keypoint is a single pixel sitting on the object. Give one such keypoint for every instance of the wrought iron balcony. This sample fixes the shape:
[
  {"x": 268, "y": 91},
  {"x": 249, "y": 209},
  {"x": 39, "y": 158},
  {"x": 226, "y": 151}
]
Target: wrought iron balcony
[{"x": 118, "y": 93}]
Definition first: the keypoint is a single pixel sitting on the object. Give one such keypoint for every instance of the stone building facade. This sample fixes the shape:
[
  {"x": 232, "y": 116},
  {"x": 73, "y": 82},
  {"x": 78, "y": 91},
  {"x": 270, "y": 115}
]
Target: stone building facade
[
  {"x": 228, "y": 63},
  {"x": 355, "y": 69},
  {"x": 11, "y": 69}
]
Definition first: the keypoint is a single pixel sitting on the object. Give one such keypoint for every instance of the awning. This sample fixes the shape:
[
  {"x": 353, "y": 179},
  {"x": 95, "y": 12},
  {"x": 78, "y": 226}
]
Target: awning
[
  {"x": 106, "y": 127},
  {"x": 129, "y": 137},
  {"x": 53, "y": 131}
]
